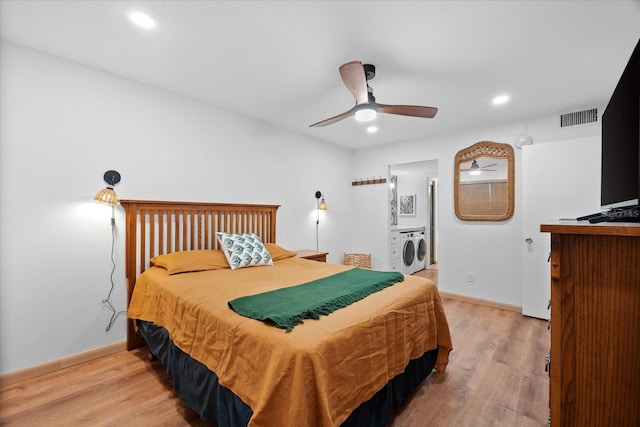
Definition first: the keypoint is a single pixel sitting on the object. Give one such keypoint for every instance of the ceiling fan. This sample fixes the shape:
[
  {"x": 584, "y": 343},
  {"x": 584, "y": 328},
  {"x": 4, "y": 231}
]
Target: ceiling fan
[
  {"x": 355, "y": 76},
  {"x": 476, "y": 168}
]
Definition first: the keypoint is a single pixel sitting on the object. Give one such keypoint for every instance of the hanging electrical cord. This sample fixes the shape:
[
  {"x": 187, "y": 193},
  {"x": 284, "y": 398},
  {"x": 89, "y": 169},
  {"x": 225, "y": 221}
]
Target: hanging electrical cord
[
  {"x": 317, "y": 229},
  {"x": 107, "y": 301}
]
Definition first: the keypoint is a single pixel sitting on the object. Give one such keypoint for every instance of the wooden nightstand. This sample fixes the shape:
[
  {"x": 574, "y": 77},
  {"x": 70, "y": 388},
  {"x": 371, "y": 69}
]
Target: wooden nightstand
[{"x": 312, "y": 255}]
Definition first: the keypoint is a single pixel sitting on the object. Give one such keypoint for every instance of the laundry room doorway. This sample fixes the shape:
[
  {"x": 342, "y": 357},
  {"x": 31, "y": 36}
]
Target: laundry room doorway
[{"x": 414, "y": 211}]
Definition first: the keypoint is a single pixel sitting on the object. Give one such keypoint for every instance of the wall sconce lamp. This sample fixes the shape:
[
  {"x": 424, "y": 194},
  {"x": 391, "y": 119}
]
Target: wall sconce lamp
[
  {"x": 321, "y": 204},
  {"x": 107, "y": 195}
]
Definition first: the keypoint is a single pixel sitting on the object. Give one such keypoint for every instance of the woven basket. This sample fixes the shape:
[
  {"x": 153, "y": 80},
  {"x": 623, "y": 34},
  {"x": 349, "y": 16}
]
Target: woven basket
[{"x": 358, "y": 260}]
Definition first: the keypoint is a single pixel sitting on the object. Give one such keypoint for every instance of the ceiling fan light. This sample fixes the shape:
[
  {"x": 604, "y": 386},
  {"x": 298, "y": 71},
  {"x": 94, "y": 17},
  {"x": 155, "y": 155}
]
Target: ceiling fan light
[
  {"x": 475, "y": 168},
  {"x": 365, "y": 114}
]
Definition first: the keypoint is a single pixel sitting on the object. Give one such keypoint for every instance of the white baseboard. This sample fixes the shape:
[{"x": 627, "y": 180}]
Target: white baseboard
[{"x": 65, "y": 362}]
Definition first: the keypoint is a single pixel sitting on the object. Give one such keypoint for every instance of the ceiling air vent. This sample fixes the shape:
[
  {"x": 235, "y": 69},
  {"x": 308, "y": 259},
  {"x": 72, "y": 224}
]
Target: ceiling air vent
[{"x": 575, "y": 118}]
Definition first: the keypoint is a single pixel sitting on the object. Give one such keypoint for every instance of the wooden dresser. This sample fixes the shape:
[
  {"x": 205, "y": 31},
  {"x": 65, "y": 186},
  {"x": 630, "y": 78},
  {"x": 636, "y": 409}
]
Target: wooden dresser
[{"x": 595, "y": 324}]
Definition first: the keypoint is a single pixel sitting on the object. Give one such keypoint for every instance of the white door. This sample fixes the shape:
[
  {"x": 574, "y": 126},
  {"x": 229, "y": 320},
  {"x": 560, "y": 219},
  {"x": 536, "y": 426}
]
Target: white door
[{"x": 559, "y": 180}]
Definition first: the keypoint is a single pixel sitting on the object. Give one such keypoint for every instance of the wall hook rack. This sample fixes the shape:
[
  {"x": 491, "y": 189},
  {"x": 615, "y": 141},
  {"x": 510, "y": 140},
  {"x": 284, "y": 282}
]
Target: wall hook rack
[{"x": 369, "y": 181}]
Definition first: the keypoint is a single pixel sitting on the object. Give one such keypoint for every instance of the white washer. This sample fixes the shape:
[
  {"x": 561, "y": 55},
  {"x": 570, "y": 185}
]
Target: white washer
[
  {"x": 422, "y": 250},
  {"x": 407, "y": 252}
]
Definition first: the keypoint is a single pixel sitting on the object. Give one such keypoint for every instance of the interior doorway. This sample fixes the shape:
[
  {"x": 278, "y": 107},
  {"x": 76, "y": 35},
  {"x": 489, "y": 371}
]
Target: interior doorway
[{"x": 417, "y": 181}]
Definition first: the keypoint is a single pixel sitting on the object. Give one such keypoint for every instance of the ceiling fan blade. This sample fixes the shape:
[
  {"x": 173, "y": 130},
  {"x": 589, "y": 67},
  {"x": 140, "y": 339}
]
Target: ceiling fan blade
[
  {"x": 354, "y": 79},
  {"x": 488, "y": 166},
  {"x": 408, "y": 110},
  {"x": 335, "y": 119}
]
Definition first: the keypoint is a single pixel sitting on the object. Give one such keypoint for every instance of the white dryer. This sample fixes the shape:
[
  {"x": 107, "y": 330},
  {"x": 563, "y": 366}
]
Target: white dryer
[
  {"x": 407, "y": 252},
  {"x": 422, "y": 251}
]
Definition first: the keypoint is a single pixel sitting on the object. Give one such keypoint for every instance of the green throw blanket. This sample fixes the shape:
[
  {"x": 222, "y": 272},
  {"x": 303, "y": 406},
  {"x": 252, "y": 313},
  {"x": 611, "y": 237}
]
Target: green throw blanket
[{"x": 288, "y": 307}]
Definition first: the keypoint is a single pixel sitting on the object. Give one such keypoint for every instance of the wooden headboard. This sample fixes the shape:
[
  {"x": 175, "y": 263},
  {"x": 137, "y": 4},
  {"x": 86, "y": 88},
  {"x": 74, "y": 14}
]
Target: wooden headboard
[{"x": 160, "y": 227}]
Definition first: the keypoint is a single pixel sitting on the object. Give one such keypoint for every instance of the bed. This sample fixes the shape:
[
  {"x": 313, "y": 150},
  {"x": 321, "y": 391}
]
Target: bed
[{"x": 353, "y": 367}]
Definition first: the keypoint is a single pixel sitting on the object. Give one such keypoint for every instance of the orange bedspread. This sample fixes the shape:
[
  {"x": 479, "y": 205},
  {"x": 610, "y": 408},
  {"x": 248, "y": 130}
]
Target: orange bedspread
[{"x": 315, "y": 375}]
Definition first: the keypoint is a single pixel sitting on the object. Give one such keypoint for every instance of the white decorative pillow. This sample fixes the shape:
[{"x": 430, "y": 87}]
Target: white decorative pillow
[{"x": 244, "y": 250}]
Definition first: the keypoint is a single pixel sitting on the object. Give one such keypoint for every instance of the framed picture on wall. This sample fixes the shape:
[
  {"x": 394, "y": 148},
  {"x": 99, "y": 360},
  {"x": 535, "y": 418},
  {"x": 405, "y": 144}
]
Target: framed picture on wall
[{"x": 407, "y": 205}]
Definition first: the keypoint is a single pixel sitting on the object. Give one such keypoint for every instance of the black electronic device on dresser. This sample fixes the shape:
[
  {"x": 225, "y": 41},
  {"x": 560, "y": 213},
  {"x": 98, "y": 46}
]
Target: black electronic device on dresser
[
  {"x": 620, "y": 175},
  {"x": 620, "y": 162}
]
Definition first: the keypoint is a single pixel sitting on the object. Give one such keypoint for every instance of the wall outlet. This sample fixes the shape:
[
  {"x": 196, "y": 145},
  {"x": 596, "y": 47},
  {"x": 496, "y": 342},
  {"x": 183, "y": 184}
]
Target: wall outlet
[{"x": 471, "y": 277}]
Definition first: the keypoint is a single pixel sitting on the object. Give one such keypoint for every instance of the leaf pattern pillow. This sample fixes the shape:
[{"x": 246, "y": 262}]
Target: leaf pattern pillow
[{"x": 244, "y": 250}]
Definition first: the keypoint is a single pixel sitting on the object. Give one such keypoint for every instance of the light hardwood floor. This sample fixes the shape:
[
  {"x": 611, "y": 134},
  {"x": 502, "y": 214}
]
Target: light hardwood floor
[{"x": 495, "y": 377}]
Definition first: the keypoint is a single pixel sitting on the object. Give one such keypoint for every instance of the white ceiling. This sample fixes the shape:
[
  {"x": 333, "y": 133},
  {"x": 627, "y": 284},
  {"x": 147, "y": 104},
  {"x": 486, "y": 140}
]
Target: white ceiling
[{"x": 278, "y": 61}]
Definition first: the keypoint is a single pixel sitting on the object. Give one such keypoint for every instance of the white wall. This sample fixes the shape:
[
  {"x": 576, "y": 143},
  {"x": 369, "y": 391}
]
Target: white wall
[
  {"x": 491, "y": 250},
  {"x": 62, "y": 126}
]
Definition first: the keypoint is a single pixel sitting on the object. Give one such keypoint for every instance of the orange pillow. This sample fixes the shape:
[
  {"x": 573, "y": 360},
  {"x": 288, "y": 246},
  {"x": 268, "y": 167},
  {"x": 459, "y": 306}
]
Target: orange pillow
[
  {"x": 278, "y": 252},
  {"x": 186, "y": 261}
]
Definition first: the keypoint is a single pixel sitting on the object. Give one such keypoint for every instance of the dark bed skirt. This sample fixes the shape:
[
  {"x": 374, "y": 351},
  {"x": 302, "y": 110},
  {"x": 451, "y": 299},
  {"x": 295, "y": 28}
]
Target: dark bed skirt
[{"x": 198, "y": 387}]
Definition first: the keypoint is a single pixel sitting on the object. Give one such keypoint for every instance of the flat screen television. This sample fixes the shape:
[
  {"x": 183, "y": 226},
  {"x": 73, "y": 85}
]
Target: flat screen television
[{"x": 620, "y": 174}]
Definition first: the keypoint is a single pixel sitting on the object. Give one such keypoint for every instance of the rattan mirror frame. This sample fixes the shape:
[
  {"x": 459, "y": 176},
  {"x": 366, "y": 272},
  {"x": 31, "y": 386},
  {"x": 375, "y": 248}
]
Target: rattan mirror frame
[{"x": 494, "y": 150}]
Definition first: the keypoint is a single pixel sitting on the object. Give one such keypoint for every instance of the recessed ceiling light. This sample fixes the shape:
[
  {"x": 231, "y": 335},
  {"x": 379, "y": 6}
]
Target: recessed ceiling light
[
  {"x": 372, "y": 129},
  {"x": 142, "y": 20},
  {"x": 500, "y": 99}
]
